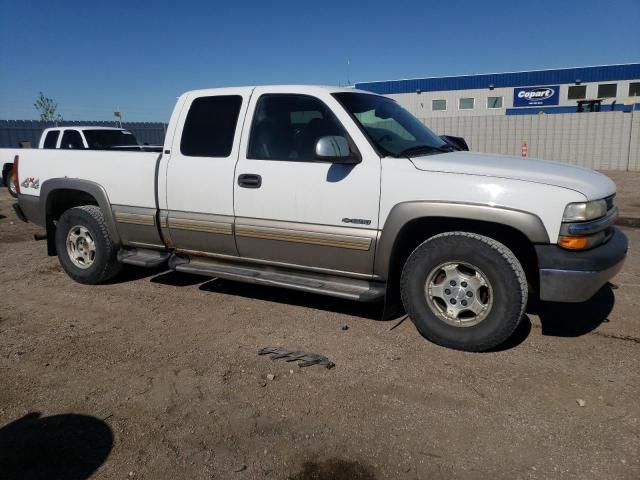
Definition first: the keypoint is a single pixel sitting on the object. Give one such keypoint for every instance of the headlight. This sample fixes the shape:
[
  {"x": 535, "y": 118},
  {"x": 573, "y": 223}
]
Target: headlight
[{"x": 579, "y": 212}]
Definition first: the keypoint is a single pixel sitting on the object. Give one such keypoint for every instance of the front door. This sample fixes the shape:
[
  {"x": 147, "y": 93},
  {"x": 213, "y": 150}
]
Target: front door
[
  {"x": 292, "y": 207},
  {"x": 199, "y": 176}
]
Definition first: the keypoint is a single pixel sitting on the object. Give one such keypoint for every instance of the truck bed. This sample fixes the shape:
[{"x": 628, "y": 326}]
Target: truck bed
[{"x": 128, "y": 177}]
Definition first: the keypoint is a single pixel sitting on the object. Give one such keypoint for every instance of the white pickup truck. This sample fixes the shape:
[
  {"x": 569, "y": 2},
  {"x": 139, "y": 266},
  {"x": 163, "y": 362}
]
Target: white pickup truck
[
  {"x": 75, "y": 137},
  {"x": 334, "y": 191}
]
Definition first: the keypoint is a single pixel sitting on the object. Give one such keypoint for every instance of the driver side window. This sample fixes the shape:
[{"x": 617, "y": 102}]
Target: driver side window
[{"x": 287, "y": 127}]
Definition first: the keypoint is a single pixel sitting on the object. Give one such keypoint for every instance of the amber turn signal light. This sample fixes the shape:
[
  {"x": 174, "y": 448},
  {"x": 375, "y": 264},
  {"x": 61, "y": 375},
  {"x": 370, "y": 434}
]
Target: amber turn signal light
[{"x": 573, "y": 243}]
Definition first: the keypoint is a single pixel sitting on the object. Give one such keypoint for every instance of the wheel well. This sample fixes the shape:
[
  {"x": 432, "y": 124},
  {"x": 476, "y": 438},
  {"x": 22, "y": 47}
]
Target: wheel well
[
  {"x": 58, "y": 202},
  {"x": 6, "y": 168},
  {"x": 417, "y": 231}
]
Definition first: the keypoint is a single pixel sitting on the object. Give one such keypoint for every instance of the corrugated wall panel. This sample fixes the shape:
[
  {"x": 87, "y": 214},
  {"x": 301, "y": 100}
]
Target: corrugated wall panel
[
  {"x": 634, "y": 143},
  {"x": 14, "y": 131},
  {"x": 604, "y": 141}
]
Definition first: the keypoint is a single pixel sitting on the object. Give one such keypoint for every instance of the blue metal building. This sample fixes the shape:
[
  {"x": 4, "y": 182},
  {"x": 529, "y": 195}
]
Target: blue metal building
[{"x": 615, "y": 87}]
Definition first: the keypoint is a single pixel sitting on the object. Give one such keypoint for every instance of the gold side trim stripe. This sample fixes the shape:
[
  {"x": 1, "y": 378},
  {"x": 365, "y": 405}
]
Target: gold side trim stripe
[
  {"x": 200, "y": 226},
  {"x": 314, "y": 238},
  {"x": 135, "y": 218}
]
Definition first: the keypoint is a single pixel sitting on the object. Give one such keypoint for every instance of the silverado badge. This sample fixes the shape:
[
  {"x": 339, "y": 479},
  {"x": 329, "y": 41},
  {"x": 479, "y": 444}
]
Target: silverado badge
[{"x": 359, "y": 221}]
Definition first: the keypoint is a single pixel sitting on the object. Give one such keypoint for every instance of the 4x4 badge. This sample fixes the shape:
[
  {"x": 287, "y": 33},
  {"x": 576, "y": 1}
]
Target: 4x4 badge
[{"x": 31, "y": 182}]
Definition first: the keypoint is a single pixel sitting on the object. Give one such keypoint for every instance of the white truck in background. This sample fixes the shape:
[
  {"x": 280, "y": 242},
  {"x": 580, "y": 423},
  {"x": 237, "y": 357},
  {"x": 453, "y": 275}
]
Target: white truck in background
[
  {"x": 338, "y": 192},
  {"x": 76, "y": 137}
]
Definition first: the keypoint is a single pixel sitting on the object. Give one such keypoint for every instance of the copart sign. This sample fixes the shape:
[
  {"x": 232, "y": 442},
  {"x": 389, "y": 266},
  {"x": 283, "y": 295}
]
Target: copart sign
[{"x": 536, "y": 96}]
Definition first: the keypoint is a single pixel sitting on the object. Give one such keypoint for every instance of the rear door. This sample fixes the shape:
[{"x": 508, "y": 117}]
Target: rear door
[
  {"x": 200, "y": 171},
  {"x": 294, "y": 208}
]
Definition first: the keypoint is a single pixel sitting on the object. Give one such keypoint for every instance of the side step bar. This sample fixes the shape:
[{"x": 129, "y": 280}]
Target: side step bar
[
  {"x": 142, "y": 257},
  {"x": 348, "y": 288}
]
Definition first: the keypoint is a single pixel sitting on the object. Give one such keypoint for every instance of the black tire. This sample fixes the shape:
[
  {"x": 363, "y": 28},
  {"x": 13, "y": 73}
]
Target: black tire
[
  {"x": 103, "y": 263},
  {"x": 9, "y": 182},
  {"x": 499, "y": 267}
]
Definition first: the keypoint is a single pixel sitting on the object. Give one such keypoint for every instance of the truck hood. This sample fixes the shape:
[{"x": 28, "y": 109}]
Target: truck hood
[{"x": 590, "y": 183}]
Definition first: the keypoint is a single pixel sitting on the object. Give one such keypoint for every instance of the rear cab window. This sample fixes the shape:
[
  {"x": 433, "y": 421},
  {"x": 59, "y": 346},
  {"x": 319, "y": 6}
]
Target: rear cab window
[
  {"x": 106, "y": 139},
  {"x": 210, "y": 126}
]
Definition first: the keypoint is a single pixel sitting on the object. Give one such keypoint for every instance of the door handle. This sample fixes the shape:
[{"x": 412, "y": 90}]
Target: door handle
[{"x": 249, "y": 180}]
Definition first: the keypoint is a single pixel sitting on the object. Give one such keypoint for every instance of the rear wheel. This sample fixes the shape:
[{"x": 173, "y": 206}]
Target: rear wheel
[
  {"x": 464, "y": 291},
  {"x": 85, "y": 249}
]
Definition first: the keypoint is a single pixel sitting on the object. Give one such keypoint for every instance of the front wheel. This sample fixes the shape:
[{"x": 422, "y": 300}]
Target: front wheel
[
  {"x": 85, "y": 249},
  {"x": 464, "y": 291}
]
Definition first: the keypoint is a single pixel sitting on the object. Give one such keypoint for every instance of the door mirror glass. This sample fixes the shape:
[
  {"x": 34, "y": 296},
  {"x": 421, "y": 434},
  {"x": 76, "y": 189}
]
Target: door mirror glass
[{"x": 333, "y": 147}]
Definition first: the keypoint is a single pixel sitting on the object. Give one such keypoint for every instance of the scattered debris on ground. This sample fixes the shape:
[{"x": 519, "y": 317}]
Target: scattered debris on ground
[{"x": 306, "y": 359}]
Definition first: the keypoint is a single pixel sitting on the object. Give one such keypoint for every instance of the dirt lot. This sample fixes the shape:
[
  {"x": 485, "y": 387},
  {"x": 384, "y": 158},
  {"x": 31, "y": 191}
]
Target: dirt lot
[{"x": 156, "y": 376}]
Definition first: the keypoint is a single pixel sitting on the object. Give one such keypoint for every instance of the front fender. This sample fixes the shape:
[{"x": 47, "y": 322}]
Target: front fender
[{"x": 401, "y": 214}]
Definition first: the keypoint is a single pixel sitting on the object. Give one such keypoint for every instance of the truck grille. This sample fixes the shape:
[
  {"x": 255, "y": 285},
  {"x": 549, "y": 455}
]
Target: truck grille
[{"x": 610, "y": 201}]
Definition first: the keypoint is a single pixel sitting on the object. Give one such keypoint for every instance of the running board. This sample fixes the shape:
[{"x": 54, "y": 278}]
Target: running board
[
  {"x": 143, "y": 257},
  {"x": 334, "y": 286}
]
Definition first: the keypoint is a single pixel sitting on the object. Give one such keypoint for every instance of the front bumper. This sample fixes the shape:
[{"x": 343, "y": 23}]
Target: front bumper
[{"x": 570, "y": 276}]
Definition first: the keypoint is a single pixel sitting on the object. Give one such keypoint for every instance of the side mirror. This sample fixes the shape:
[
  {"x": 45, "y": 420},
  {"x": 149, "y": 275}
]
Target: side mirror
[
  {"x": 457, "y": 143},
  {"x": 334, "y": 148}
]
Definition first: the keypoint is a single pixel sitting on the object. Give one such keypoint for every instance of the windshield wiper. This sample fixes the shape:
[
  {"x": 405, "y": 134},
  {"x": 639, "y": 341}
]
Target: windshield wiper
[{"x": 423, "y": 148}]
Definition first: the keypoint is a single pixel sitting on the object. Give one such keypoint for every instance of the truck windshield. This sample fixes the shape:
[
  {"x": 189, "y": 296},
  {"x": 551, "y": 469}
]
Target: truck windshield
[
  {"x": 107, "y": 139},
  {"x": 392, "y": 130}
]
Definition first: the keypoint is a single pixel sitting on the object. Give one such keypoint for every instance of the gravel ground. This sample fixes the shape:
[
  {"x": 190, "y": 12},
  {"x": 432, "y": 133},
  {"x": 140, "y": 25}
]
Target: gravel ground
[{"x": 156, "y": 376}]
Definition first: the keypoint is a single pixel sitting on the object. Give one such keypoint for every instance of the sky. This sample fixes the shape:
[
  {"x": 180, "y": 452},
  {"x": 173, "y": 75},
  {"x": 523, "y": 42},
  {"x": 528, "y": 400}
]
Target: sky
[{"x": 94, "y": 58}]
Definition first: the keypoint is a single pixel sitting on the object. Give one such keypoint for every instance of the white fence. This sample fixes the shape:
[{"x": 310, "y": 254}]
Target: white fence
[{"x": 602, "y": 141}]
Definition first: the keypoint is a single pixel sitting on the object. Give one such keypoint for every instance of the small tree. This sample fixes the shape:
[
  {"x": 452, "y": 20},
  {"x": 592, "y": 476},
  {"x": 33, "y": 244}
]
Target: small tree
[{"x": 47, "y": 108}]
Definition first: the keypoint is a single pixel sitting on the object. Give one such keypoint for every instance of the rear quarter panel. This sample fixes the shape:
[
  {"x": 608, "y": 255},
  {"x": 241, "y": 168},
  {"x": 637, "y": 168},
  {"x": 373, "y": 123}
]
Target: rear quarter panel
[{"x": 127, "y": 177}]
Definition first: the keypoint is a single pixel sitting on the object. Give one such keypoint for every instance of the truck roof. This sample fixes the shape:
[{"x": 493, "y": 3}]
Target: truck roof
[
  {"x": 308, "y": 89},
  {"x": 84, "y": 127}
]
